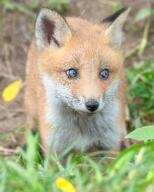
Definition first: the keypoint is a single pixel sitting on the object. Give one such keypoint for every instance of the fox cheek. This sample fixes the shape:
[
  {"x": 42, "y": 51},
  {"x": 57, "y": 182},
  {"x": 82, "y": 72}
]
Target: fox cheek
[{"x": 112, "y": 91}]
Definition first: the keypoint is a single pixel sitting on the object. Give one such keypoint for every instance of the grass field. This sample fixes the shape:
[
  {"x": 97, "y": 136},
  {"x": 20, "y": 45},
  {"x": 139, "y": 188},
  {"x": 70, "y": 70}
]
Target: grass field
[{"x": 130, "y": 171}]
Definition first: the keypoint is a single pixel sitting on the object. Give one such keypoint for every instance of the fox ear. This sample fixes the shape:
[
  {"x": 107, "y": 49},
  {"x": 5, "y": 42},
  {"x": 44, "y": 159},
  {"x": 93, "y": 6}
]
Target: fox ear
[
  {"x": 51, "y": 29},
  {"x": 115, "y": 26}
]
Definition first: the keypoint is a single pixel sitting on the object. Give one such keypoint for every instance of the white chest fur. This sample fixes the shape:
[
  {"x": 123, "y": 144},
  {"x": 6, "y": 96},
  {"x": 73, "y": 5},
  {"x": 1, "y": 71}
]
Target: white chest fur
[{"x": 79, "y": 129}]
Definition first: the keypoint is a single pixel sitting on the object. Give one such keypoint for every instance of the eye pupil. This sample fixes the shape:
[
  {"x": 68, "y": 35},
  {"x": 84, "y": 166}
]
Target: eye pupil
[
  {"x": 72, "y": 73},
  {"x": 104, "y": 74}
]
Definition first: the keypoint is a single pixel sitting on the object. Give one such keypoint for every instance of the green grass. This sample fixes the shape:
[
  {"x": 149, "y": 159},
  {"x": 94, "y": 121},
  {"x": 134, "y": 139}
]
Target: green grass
[
  {"x": 141, "y": 93},
  {"x": 131, "y": 171}
]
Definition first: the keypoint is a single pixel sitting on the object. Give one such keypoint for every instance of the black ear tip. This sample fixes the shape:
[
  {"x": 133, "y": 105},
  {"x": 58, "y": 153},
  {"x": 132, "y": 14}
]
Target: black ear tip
[{"x": 113, "y": 17}]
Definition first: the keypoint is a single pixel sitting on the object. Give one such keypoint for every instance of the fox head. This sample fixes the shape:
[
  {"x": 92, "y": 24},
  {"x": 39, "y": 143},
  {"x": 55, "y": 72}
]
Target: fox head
[{"x": 81, "y": 64}]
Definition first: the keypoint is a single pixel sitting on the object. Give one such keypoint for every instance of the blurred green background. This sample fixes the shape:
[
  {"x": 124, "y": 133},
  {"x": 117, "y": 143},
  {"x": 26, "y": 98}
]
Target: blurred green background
[{"x": 133, "y": 170}]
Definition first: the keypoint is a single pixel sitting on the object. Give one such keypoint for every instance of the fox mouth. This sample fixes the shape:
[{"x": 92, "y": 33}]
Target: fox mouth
[
  {"x": 81, "y": 111},
  {"x": 87, "y": 113}
]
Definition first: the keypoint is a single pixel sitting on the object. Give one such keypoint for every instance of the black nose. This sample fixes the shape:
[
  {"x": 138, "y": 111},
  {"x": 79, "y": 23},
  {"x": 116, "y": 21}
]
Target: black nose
[{"x": 92, "y": 105}]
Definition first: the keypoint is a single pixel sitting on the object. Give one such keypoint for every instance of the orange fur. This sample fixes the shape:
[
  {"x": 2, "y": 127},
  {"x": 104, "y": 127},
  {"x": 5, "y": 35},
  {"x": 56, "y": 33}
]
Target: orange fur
[{"x": 88, "y": 50}]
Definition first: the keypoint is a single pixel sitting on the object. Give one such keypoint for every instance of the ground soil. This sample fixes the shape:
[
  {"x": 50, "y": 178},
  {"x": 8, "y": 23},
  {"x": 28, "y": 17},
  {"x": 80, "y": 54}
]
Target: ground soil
[{"x": 16, "y": 32}]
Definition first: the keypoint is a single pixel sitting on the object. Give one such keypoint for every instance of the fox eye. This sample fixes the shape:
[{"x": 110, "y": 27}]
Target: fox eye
[
  {"x": 104, "y": 74},
  {"x": 72, "y": 73}
]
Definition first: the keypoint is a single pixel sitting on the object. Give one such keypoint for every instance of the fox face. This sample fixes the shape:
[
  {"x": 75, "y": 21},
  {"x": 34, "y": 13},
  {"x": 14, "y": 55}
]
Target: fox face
[{"x": 81, "y": 64}]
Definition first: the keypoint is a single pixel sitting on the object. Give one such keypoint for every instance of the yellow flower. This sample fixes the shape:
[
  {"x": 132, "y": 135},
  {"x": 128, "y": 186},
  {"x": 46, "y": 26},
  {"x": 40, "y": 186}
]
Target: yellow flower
[
  {"x": 64, "y": 185},
  {"x": 11, "y": 91}
]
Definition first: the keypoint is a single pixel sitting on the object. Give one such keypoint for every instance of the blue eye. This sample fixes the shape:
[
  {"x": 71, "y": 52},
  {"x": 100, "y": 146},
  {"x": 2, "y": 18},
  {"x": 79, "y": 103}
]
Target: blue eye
[
  {"x": 72, "y": 73},
  {"x": 104, "y": 74}
]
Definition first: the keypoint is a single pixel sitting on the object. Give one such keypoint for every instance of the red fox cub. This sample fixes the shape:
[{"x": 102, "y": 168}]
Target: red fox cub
[{"x": 76, "y": 83}]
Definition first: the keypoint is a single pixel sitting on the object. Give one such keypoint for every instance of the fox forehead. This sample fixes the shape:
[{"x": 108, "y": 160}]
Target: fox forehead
[
  {"x": 83, "y": 29},
  {"x": 88, "y": 47}
]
